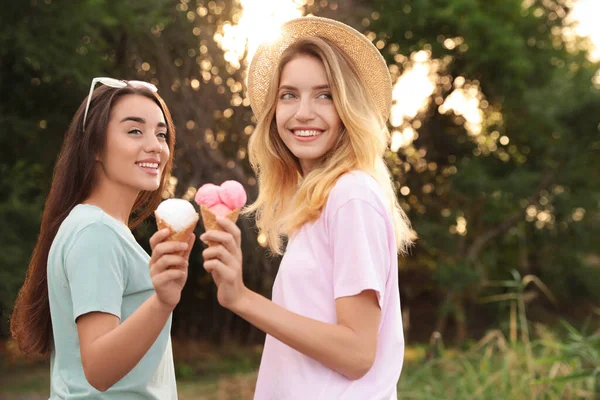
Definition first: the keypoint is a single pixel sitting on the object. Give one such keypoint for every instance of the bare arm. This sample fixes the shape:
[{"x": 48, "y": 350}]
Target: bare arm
[
  {"x": 109, "y": 350},
  {"x": 347, "y": 347}
]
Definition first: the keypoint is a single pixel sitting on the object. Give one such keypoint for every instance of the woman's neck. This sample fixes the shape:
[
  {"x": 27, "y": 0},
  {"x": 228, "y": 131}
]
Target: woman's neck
[{"x": 115, "y": 200}]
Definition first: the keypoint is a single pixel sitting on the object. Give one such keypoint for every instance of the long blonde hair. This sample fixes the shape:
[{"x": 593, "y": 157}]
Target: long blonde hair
[{"x": 287, "y": 199}]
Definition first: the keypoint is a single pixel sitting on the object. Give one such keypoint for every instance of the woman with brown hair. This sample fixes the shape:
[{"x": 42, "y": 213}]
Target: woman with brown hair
[{"x": 89, "y": 299}]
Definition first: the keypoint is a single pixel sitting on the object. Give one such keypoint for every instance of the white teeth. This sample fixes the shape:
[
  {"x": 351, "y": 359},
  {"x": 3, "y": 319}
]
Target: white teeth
[
  {"x": 307, "y": 133},
  {"x": 148, "y": 165}
]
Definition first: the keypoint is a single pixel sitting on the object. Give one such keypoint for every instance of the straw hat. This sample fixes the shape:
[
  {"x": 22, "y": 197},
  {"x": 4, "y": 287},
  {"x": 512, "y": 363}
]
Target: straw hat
[{"x": 371, "y": 66}]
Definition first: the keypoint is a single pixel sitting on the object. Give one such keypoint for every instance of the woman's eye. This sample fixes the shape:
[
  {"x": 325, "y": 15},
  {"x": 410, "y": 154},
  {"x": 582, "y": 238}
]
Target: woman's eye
[
  {"x": 326, "y": 96},
  {"x": 286, "y": 96},
  {"x": 163, "y": 135},
  {"x": 135, "y": 131}
]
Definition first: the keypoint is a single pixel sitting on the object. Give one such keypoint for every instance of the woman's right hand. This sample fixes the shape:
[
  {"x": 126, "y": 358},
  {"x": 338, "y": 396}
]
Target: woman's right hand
[
  {"x": 169, "y": 266},
  {"x": 224, "y": 262}
]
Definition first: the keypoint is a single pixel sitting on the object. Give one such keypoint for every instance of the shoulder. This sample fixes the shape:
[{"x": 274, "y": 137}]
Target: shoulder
[
  {"x": 90, "y": 228},
  {"x": 356, "y": 186}
]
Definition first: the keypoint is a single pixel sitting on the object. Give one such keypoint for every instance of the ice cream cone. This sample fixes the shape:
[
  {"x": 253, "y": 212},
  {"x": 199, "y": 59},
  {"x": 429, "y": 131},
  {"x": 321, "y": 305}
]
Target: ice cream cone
[
  {"x": 180, "y": 236},
  {"x": 210, "y": 220}
]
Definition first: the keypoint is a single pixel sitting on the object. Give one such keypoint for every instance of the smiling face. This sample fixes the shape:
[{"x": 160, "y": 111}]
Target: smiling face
[
  {"x": 307, "y": 120},
  {"x": 136, "y": 150}
]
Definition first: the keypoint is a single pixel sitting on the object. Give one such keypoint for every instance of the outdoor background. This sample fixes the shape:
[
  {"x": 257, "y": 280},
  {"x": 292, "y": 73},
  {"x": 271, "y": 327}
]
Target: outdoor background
[{"x": 495, "y": 153}]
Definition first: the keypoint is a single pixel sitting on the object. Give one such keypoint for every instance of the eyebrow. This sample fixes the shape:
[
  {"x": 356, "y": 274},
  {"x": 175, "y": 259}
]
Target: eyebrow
[
  {"x": 318, "y": 87},
  {"x": 142, "y": 121}
]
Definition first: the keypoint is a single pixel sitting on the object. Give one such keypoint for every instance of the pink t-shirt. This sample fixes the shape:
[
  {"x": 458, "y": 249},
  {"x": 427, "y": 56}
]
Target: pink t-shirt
[{"x": 349, "y": 249}]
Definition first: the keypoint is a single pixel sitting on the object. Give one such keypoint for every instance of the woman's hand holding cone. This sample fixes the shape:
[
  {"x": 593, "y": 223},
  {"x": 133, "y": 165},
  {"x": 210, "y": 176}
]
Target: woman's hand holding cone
[
  {"x": 224, "y": 261},
  {"x": 169, "y": 266}
]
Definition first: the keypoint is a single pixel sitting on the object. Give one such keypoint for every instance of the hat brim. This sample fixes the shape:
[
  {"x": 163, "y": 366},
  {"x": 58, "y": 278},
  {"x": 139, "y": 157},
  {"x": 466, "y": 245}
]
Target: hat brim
[{"x": 368, "y": 61}]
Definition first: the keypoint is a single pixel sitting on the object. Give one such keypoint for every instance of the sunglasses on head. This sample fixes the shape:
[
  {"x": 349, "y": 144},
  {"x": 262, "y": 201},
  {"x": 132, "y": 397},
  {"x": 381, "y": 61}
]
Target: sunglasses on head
[{"x": 115, "y": 83}]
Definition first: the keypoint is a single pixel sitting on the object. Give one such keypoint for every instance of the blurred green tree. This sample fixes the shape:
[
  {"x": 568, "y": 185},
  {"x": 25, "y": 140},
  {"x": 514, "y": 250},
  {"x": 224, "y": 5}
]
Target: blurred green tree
[
  {"x": 518, "y": 188},
  {"x": 514, "y": 186}
]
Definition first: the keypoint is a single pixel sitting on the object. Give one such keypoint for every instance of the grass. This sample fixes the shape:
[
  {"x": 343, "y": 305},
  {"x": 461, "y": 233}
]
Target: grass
[
  {"x": 495, "y": 369},
  {"x": 564, "y": 367},
  {"x": 562, "y": 364},
  {"x": 32, "y": 383},
  {"x": 203, "y": 373},
  {"x": 534, "y": 363}
]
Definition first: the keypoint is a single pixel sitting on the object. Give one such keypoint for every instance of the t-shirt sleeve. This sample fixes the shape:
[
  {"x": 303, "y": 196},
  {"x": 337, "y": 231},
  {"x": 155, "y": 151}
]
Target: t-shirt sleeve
[
  {"x": 359, "y": 237},
  {"x": 95, "y": 269}
]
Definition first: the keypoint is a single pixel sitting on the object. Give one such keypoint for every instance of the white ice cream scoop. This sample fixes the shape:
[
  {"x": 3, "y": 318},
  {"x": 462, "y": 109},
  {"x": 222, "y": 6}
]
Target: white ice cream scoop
[{"x": 178, "y": 215}]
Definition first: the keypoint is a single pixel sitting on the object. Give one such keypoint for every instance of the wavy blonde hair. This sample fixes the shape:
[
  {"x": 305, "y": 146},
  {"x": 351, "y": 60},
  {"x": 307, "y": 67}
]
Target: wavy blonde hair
[{"x": 287, "y": 199}]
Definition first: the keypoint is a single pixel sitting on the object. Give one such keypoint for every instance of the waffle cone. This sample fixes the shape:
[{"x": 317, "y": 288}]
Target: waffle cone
[
  {"x": 179, "y": 236},
  {"x": 210, "y": 220}
]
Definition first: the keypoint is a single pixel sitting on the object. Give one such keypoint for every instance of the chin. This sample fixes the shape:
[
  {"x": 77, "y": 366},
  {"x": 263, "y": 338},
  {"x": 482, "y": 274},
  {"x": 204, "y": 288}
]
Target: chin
[
  {"x": 147, "y": 186},
  {"x": 308, "y": 157}
]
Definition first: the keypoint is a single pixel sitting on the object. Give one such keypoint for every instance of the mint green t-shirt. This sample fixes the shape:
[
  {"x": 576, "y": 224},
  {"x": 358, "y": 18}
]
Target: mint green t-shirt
[{"x": 95, "y": 264}]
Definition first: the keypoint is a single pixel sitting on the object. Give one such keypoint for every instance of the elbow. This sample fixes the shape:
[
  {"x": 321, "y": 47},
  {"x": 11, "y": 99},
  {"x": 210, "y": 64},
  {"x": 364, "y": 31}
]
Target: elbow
[
  {"x": 358, "y": 372},
  {"x": 96, "y": 383},
  {"x": 361, "y": 367},
  {"x": 101, "y": 388},
  {"x": 94, "y": 379}
]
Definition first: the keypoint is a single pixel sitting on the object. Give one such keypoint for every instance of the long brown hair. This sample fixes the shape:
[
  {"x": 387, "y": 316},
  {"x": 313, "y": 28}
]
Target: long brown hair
[{"x": 72, "y": 183}]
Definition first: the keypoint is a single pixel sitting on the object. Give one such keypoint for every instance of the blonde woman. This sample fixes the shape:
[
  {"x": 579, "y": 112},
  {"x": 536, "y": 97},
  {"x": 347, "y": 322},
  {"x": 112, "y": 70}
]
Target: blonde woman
[{"x": 322, "y": 95}]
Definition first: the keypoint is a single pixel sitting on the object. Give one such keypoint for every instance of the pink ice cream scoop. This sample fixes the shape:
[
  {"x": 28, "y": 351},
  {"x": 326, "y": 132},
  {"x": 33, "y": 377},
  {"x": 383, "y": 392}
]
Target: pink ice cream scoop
[
  {"x": 232, "y": 194},
  {"x": 221, "y": 200},
  {"x": 208, "y": 195},
  {"x": 220, "y": 209}
]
